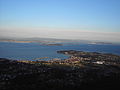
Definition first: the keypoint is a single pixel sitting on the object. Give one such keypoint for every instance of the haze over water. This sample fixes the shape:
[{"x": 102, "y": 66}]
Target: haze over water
[
  {"x": 63, "y": 19},
  {"x": 93, "y": 20}
]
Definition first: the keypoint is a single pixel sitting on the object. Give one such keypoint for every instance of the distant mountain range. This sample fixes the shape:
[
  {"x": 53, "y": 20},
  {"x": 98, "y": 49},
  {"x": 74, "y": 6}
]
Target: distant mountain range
[{"x": 51, "y": 40}]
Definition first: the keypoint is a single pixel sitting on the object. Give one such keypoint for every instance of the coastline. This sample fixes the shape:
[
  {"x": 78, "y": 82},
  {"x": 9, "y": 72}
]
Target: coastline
[{"x": 39, "y": 74}]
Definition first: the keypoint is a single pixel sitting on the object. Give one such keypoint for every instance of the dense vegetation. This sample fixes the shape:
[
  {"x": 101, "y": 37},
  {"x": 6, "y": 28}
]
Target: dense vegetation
[{"x": 16, "y": 75}]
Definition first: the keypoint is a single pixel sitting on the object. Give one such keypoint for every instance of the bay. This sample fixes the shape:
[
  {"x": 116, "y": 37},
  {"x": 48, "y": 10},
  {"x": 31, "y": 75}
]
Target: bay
[{"x": 31, "y": 51}]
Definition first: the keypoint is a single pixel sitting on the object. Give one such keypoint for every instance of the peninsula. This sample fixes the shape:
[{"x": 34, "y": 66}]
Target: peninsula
[{"x": 82, "y": 70}]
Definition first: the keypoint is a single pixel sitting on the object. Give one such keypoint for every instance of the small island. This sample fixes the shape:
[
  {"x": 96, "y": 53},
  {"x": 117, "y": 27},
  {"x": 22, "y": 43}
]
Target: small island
[{"x": 53, "y": 44}]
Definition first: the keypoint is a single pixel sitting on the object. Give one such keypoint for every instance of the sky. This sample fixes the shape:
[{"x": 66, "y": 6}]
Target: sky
[{"x": 69, "y": 19}]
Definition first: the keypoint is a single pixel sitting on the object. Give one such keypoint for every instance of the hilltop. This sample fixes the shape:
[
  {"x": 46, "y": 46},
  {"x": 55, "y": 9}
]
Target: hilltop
[{"x": 76, "y": 72}]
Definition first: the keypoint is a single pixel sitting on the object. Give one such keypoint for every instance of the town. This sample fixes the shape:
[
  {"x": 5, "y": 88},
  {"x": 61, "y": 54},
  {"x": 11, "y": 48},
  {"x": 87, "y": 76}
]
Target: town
[{"x": 81, "y": 70}]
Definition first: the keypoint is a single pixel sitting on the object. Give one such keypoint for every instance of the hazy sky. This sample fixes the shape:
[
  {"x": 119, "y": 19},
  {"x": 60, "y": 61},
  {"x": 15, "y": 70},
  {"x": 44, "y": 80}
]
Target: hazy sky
[{"x": 78, "y": 19}]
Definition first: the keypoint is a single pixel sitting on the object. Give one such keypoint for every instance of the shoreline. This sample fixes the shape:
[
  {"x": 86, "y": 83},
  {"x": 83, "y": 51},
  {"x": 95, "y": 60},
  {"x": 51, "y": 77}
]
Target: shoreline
[
  {"x": 76, "y": 57},
  {"x": 83, "y": 75}
]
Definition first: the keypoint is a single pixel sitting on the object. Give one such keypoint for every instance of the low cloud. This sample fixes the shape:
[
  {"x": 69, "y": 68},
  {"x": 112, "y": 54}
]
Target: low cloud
[{"x": 61, "y": 34}]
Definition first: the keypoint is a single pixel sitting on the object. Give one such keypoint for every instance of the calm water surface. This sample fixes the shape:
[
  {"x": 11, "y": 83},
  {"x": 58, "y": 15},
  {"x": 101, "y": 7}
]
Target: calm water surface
[{"x": 30, "y": 51}]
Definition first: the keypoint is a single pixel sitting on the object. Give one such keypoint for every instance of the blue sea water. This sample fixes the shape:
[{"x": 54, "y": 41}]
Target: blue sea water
[{"x": 30, "y": 51}]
